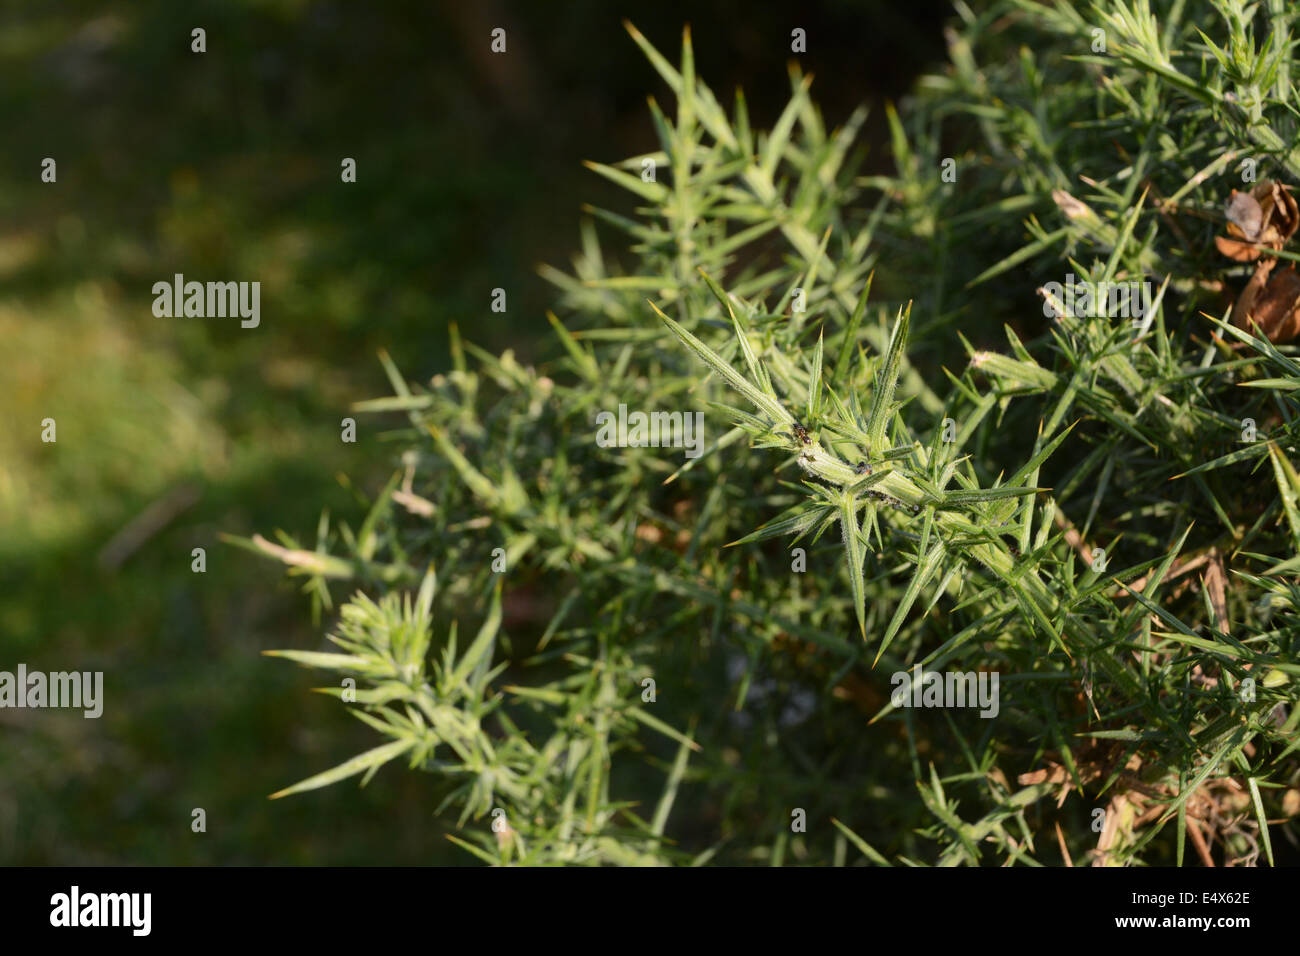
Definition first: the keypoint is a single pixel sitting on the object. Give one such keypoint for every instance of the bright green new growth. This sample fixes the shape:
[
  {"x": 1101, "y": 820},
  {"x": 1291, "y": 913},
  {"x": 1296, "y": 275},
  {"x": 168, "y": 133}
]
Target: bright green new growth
[{"x": 653, "y": 683}]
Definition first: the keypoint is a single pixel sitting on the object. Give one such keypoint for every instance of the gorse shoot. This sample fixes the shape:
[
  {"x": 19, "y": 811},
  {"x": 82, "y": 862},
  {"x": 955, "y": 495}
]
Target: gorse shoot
[{"x": 771, "y": 651}]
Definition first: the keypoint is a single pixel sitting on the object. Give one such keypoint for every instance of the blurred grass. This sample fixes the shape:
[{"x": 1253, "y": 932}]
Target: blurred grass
[{"x": 225, "y": 166}]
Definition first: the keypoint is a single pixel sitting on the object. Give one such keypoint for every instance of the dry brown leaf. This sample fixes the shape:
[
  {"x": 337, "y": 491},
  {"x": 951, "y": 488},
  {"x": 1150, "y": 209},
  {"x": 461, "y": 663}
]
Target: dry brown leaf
[
  {"x": 1259, "y": 221},
  {"x": 1264, "y": 218},
  {"x": 1275, "y": 309}
]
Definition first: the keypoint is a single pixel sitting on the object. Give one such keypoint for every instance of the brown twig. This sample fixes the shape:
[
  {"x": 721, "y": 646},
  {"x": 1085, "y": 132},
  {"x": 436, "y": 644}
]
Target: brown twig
[
  {"x": 1065, "y": 850},
  {"x": 1198, "y": 841}
]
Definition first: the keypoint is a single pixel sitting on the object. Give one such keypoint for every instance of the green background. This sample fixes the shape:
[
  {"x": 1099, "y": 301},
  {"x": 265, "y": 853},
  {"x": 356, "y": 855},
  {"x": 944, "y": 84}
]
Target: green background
[{"x": 225, "y": 166}]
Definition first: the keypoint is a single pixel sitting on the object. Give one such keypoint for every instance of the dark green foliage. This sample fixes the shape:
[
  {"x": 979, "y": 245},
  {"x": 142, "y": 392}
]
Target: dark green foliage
[{"x": 1083, "y": 511}]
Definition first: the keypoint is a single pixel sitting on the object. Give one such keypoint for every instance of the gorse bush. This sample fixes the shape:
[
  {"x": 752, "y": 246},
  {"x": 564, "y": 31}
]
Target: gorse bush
[{"x": 1090, "y": 519}]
